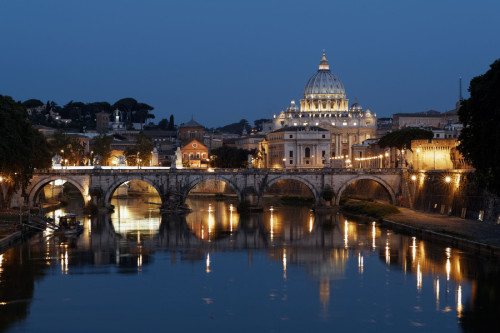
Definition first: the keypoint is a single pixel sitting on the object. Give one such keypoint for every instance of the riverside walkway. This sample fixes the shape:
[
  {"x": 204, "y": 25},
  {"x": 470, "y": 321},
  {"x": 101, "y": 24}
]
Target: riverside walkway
[{"x": 480, "y": 235}]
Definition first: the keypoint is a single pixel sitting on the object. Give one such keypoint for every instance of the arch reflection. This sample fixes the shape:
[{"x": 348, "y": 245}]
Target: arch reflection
[
  {"x": 135, "y": 219},
  {"x": 212, "y": 220}
]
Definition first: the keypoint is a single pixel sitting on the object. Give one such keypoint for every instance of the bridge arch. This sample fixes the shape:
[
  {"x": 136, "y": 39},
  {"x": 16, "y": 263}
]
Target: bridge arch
[
  {"x": 378, "y": 180},
  {"x": 122, "y": 180},
  {"x": 198, "y": 179},
  {"x": 41, "y": 182},
  {"x": 314, "y": 190}
]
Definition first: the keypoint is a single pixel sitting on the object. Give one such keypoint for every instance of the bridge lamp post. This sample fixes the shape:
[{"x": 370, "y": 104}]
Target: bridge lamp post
[{"x": 284, "y": 162}]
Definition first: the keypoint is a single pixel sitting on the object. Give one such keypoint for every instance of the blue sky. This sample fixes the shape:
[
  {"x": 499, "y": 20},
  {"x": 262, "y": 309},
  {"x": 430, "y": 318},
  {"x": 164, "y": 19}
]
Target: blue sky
[{"x": 222, "y": 61}]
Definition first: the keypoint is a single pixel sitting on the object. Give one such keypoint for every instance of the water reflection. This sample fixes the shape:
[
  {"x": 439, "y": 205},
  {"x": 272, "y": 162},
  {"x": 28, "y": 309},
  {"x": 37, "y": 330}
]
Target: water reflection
[
  {"x": 321, "y": 264},
  {"x": 135, "y": 218},
  {"x": 211, "y": 220}
]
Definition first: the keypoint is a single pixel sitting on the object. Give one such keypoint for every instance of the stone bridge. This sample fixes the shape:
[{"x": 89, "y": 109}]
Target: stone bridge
[{"x": 97, "y": 185}]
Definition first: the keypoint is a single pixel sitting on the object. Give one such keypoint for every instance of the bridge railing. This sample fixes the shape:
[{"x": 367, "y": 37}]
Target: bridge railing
[{"x": 149, "y": 170}]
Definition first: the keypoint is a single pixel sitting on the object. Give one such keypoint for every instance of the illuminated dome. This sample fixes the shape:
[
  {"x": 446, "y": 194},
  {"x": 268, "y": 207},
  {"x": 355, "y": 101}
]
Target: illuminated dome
[
  {"x": 324, "y": 84},
  {"x": 293, "y": 107},
  {"x": 356, "y": 107}
]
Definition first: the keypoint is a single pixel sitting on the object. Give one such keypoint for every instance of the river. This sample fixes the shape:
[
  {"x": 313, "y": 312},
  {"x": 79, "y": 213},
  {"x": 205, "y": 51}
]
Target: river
[{"x": 283, "y": 270}]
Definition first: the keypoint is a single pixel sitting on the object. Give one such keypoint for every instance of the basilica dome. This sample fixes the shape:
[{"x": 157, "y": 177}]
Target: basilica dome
[{"x": 324, "y": 84}]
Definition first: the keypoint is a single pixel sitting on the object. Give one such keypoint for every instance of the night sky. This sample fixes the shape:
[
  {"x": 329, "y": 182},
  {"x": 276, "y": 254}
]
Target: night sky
[{"x": 222, "y": 61}]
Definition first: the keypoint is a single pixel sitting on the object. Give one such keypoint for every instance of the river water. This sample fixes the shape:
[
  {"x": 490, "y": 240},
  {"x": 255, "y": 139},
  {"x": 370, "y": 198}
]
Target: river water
[{"x": 283, "y": 270}]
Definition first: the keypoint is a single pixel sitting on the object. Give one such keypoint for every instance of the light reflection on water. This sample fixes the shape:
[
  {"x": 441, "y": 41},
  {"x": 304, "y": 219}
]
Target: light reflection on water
[{"x": 294, "y": 267}]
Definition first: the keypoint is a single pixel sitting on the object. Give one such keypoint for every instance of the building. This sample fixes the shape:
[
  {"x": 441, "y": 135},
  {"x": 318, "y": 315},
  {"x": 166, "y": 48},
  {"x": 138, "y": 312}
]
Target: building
[
  {"x": 324, "y": 104},
  {"x": 437, "y": 154},
  {"x": 191, "y": 131},
  {"x": 296, "y": 147},
  {"x": 429, "y": 118},
  {"x": 102, "y": 122},
  {"x": 195, "y": 155},
  {"x": 165, "y": 144},
  {"x": 250, "y": 142}
]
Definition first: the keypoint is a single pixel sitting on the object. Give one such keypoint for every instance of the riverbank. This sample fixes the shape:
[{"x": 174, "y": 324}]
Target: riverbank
[
  {"x": 471, "y": 235},
  {"x": 467, "y": 234}
]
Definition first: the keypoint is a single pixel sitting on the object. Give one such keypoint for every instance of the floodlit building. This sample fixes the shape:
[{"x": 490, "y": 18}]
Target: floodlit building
[
  {"x": 195, "y": 155},
  {"x": 296, "y": 147},
  {"x": 324, "y": 104},
  {"x": 437, "y": 154}
]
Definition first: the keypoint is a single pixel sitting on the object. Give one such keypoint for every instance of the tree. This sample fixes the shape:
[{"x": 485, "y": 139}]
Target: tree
[
  {"x": 258, "y": 123},
  {"x": 480, "y": 116},
  {"x": 22, "y": 149},
  {"x": 140, "y": 153},
  {"x": 230, "y": 157},
  {"x": 402, "y": 138},
  {"x": 171, "y": 124},
  {"x": 163, "y": 124},
  {"x": 32, "y": 103},
  {"x": 235, "y": 128},
  {"x": 101, "y": 145}
]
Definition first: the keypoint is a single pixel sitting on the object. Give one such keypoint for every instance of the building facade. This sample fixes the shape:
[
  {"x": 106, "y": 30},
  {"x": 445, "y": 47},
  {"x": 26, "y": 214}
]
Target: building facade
[
  {"x": 296, "y": 147},
  {"x": 195, "y": 155},
  {"x": 324, "y": 104}
]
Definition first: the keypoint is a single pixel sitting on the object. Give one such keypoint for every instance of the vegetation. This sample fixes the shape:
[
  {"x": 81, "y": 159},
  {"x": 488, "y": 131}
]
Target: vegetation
[
  {"x": 373, "y": 209},
  {"x": 22, "y": 149},
  {"x": 140, "y": 153},
  {"x": 236, "y": 128},
  {"x": 480, "y": 115},
  {"x": 402, "y": 138},
  {"x": 83, "y": 115},
  {"x": 69, "y": 148},
  {"x": 230, "y": 157},
  {"x": 102, "y": 147}
]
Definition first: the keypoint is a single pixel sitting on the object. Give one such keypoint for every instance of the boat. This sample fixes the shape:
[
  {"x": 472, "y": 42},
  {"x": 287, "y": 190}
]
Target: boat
[{"x": 69, "y": 226}]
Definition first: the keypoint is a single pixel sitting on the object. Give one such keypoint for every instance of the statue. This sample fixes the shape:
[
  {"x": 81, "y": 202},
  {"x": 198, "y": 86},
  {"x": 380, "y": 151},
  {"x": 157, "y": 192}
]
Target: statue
[
  {"x": 122, "y": 160},
  {"x": 178, "y": 158},
  {"x": 56, "y": 160},
  {"x": 250, "y": 161}
]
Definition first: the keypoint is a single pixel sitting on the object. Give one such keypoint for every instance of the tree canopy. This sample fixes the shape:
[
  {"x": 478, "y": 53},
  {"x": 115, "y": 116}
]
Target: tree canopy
[
  {"x": 22, "y": 148},
  {"x": 402, "y": 138},
  {"x": 480, "y": 115},
  {"x": 235, "y": 128},
  {"x": 230, "y": 157},
  {"x": 140, "y": 153}
]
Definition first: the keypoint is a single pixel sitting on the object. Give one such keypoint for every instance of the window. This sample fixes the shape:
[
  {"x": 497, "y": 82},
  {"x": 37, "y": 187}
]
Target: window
[
  {"x": 323, "y": 136},
  {"x": 291, "y": 136},
  {"x": 191, "y": 156},
  {"x": 191, "y": 135},
  {"x": 308, "y": 152},
  {"x": 323, "y": 153},
  {"x": 197, "y": 155},
  {"x": 291, "y": 162},
  {"x": 291, "y": 153},
  {"x": 307, "y": 161},
  {"x": 185, "y": 156},
  {"x": 204, "y": 155}
]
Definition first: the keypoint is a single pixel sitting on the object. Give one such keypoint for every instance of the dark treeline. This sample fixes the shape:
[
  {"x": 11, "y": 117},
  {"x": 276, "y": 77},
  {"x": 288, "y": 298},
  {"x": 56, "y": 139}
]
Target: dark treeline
[{"x": 83, "y": 115}]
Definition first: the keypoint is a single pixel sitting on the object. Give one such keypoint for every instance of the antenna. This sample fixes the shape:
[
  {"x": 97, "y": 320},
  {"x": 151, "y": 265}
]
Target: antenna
[{"x": 460, "y": 88}]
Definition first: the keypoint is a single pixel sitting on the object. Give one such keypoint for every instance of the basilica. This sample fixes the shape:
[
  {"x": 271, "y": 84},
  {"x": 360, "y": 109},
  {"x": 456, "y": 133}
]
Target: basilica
[{"x": 324, "y": 105}]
